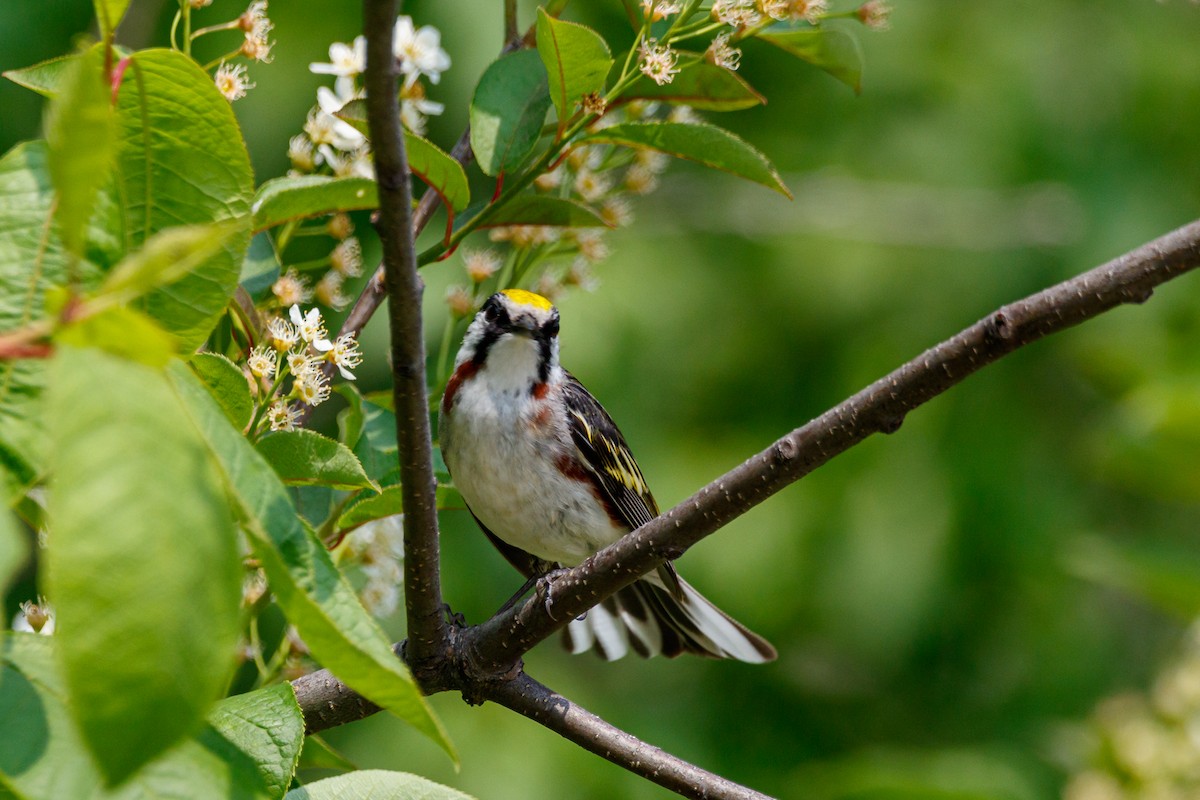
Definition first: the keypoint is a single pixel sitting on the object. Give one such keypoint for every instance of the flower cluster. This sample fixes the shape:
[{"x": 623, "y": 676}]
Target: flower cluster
[
  {"x": 331, "y": 143},
  {"x": 232, "y": 79},
  {"x": 298, "y": 347}
]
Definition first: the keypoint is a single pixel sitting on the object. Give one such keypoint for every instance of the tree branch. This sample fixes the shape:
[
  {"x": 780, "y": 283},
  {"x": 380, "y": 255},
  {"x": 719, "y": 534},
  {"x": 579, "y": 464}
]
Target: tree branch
[
  {"x": 480, "y": 654},
  {"x": 427, "y": 628},
  {"x": 550, "y": 709},
  {"x": 879, "y": 408}
]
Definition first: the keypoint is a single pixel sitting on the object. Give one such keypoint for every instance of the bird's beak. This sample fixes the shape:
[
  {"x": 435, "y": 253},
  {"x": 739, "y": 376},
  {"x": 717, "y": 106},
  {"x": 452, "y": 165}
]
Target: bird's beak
[{"x": 525, "y": 326}]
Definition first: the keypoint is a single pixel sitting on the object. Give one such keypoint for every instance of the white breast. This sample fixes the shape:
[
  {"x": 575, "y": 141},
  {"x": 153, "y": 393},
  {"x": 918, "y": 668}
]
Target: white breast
[{"x": 502, "y": 447}]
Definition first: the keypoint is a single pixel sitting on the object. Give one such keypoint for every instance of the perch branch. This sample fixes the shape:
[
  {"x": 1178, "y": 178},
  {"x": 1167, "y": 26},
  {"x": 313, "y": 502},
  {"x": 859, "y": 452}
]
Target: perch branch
[{"x": 880, "y": 407}]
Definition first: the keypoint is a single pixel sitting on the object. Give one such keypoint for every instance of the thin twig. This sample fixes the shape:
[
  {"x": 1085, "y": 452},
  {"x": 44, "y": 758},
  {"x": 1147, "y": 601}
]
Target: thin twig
[
  {"x": 879, "y": 408},
  {"x": 550, "y": 709},
  {"x": 427, "y": 629}
]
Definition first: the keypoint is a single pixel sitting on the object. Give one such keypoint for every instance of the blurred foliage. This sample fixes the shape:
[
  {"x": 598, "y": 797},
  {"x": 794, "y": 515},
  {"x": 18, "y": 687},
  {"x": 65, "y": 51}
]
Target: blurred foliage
[{"x": 945, "y": 599}]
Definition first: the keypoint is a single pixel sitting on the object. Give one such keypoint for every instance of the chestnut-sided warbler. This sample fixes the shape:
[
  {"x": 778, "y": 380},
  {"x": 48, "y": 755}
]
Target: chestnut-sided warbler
[{"x": 551, "y": 481}]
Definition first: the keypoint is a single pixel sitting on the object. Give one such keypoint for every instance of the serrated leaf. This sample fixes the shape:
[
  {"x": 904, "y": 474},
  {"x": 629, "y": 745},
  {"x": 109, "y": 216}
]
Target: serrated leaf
[
  {"x": 435, "y": 167},
  {"x": 45, "y": 77},
  {"x": 266, "y": 724},
  {"x": 285, "y": 199},
  {"x": 305, "y": 457},
  {"x": 702, "y": 86},
  {"x": 706, "y": 144},
  {"x": 577, "y": 61},
  {"x": 124, "y": 332},
  {"x": 182, "y": 161},
  {"x": 227, "y": 384},
  {"x": 79, "y": 127},
  {"x": 248, "y": 746},
  {"x": 375, "y": 784},
  {"x": 145, "y": 571},
  {"x": 316, "y": 598},
  {"x": 109, "y": 14},
  {"x": 835, "y": 51},
  {"x": 508, "y": 111},
  {"x": 538, "y": 209}
]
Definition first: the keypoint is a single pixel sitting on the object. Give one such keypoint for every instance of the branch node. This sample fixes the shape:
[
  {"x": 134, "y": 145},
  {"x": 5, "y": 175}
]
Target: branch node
[{"x": 999, "y": 328}]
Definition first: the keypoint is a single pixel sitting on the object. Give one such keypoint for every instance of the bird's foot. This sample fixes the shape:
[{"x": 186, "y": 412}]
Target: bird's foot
[
  {"x": 453, "y": 617},
  {"x": 545, "y": 588}
]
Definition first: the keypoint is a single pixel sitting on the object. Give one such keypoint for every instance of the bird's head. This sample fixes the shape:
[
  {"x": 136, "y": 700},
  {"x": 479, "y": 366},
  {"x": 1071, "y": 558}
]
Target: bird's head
[{"x": 514, "y": 332}]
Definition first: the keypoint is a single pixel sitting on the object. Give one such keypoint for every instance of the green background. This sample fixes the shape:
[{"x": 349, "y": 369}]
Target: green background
[{"x": 951, "y": 601}]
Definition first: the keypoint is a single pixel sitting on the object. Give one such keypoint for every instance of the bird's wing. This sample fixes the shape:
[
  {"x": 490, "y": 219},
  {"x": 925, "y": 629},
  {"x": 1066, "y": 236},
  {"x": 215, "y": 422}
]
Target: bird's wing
[{"x": 610, "y": 465}]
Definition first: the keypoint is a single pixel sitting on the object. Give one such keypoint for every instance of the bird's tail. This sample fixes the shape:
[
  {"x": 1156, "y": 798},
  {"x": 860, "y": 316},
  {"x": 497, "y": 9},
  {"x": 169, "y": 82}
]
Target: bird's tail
[{"x": 650, "y": 619}]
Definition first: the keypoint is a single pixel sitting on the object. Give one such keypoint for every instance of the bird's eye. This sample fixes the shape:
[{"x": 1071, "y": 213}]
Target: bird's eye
[
  {"x": 491, "y": 310},
  {"x": 551, "y": 327}
]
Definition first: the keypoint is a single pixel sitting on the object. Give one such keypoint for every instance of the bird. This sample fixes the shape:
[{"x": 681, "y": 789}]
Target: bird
[{"x": 550, "y": 479}]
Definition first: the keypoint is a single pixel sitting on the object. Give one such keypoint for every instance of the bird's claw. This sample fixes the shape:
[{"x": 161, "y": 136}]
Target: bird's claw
[
  {"x": 545, "y": 588},
  {"x": 453, "y": 617}
]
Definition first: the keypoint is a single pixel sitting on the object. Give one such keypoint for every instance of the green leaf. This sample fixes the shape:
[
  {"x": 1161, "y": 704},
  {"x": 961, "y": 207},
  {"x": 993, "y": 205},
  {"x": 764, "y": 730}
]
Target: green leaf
[
  {"x": 387, "y": 503},
  {"x": 538, "y": 209},
  {"x": 835, "y": 51},
  {"x": 79, "y": 131},
  {"x": 260, "y": 268},
  {"x": 227, "y": 384},
  {"x": 375, "y": 784},
  {"x": 577, "y": 61},
  {"x": 166, "y": 257},
  {"x": 124, "y": 332},
  {"x": 318, "y": 754},
  {"x": 706, "y": 144},
  {"x": 285, "y": 199},
  {"x": 316, "y": 598},
  {"x": 182, "y": 161},
  {"x": 144, "y": 569},
  {"x": 376, "y": 447},
  {"x": 306, "y": 457},
  {"x": 109, "y": 14},
  {"x": 45, "y": 78},
  {"x": 438, "y": 169},
  {"x": 703, "y": 86},
  {"x": 14, "y": 550},
  {"x": 508, "y": 111},
  {"x": 246, "y": 751},
  {"x": 350, "y": 418},
  {"x": 31, "y": 262},
  {"x": 266, "y": 724}
]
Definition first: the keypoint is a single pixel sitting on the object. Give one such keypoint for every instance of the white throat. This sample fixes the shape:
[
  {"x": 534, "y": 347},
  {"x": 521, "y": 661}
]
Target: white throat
[{"x": 512, "y": 363}]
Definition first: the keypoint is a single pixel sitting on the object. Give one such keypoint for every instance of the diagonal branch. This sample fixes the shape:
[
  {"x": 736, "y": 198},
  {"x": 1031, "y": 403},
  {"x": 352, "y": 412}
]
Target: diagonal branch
[
  {"x": 546, "y": 707},
  {"x": 427, "y": 629},
  {"x": 481, "y": 652},
  {"x": 879, "y": 408}
]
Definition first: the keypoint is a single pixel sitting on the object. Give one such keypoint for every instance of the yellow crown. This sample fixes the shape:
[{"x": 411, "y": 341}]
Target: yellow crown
[{"x": 524, "y": 298}]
